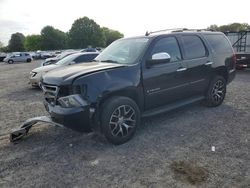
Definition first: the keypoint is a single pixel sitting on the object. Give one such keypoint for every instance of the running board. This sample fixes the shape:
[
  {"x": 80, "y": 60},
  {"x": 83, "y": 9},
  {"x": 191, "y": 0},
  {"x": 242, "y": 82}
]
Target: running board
[
  {"x": 23, "y": 130},
  {"x": 172, "y": 106}
]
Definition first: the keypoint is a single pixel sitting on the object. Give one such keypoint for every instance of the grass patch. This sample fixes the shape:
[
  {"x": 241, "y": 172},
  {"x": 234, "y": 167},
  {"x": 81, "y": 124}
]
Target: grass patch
[{"x": 189, "y": 172}]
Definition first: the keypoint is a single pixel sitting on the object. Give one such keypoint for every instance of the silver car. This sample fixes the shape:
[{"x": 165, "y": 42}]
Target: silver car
[
  {"x": 37, "y": 73},
  {"x": 18, "y": 57}
]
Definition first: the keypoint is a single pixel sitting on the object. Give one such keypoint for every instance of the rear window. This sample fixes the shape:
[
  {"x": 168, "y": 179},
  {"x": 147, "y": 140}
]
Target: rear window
[
  {"x": 219, "y": 43},
  {"x": 193, "y": 47}
]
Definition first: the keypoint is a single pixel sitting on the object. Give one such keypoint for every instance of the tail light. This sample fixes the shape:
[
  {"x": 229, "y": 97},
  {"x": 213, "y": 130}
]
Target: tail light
[{"x": 234, "y": 59}]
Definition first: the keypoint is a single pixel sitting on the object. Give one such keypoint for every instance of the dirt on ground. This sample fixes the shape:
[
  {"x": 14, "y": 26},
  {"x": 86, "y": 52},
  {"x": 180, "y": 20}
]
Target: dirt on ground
[{"x": 194, "y": 146}]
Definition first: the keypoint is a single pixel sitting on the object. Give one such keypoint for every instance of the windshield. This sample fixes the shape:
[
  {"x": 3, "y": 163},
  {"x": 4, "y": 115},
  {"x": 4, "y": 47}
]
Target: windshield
[
  {"x": 67, "y": 60},
  {"x": 125, "y": 51}
]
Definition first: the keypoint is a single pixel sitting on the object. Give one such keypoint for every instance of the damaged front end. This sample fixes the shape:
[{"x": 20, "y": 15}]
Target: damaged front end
[
  {"x": 23, "y": 130},
  {"x": 65, "y": 108}
]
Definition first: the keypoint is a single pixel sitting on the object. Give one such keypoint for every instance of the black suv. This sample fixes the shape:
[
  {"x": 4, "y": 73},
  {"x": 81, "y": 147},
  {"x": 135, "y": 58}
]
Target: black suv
[{"x": 138, "y": 77}]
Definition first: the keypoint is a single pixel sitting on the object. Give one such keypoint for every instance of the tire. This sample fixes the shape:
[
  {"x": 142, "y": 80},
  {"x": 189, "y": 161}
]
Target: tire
[
  {"x": 120, "y": 117},
  {"x": 216, "y": 92},
  {"x": 28, "y": 60},
  {"x": 10, "y": 61}
]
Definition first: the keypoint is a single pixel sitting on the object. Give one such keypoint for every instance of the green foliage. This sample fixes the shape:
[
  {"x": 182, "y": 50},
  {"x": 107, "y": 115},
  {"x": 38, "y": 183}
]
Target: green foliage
[
  {"x": 16, "y": 43},
  {"x": 231, "y": 27},
  {"x": 33, "y": 42},
  {"x": 111, "y": 35},
  {"x": 85, "y": 32},
  {"x": 1, "y": 44},
  {"x": 4, "y": 49},
  {"x": 52, "y": 39}
]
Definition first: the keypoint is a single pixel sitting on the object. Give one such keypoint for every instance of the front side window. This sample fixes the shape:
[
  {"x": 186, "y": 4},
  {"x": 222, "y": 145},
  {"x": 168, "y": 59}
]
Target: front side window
[
  {"x": 193, "y": 47},
  {"x": 168, "y": 45}
]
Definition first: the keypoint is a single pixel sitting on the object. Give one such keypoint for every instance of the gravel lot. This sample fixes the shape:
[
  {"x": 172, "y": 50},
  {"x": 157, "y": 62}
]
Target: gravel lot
[{"x": 169, "y": 150}]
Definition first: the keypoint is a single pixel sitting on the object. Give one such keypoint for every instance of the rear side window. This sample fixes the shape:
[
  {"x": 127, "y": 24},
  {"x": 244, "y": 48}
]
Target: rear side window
[
  {"x": 193, "y": 47},
  {"x": 219, "y": 43},
  {"x": 168, "y": 45}
]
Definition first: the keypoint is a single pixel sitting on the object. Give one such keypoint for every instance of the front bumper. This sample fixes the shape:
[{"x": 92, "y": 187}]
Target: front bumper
[
  {"x": 77, "y": 118},
  {"x": 34, "y": 80}
]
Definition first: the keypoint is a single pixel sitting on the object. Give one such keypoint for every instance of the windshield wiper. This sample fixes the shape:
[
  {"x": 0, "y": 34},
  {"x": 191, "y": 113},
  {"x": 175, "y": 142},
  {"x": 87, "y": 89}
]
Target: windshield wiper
[{"x": 109, "y": 61}]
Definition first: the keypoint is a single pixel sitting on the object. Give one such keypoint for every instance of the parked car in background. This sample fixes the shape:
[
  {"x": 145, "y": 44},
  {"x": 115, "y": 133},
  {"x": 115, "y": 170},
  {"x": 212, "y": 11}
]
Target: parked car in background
[
  {"x": 36, "y": 74},
  {"x": 243, "y": 60},
  {"x": 53, "y": 60},
  {"x": 45, "y": 55},
  {"x": 2, "y": 56},
  {"x": 89, "y": 50},
  {"x": 18, "y": 57}
]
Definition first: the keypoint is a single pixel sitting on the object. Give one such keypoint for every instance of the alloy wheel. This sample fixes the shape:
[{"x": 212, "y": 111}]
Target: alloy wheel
[
  {"x": 218, "y": 91},
  {"x": 122, "y": 121}
]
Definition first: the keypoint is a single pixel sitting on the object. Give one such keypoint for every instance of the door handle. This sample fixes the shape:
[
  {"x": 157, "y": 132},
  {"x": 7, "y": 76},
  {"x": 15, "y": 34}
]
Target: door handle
[
  {"x": 209, "y": 63},
  {"x": 181, "y": 69}
]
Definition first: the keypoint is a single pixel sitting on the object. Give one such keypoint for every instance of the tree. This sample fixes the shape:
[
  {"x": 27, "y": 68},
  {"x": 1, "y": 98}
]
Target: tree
[
  {"x": 111, "y": 35},
  {"x": 52, "y": 39},
  {"x": 231, "y": 27},
  {"x": 213, "y": 27},
  {"x": 33, "y": 42},
  {"x": 16, "y": 42},
  {"x": 1, "y": 44},
  {"x": 85, "y": 32}
]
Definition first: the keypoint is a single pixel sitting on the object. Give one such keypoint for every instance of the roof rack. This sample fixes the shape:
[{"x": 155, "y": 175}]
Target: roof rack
[{"x": 176, "y": 30}]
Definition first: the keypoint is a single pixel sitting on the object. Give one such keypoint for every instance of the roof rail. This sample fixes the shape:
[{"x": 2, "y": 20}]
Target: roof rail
[
  {"x": 176, "y": 30},
  {"x": 152, "y": 32}
]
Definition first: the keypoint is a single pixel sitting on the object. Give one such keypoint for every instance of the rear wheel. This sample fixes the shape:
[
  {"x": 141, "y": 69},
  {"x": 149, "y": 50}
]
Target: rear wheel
[
  {"x": 119, "y": 119},
  {"x": 216, "y": 92},
  {"x": 28, "y": 60}
]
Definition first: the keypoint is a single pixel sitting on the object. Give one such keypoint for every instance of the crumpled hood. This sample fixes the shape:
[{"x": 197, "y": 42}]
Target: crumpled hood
[
  {"x": 45, "y": 68},
  {"x": 68, "y": 73}
]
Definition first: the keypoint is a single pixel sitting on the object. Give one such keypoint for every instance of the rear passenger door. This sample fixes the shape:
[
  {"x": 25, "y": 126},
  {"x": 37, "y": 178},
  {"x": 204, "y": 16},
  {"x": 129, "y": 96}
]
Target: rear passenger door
[
  {"x": 199, "y": 63},
  {"x": 18, "y": 57}
]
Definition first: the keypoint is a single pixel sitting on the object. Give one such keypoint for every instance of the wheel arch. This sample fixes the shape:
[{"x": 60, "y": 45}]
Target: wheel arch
[
  {"x": 131, "y": 93},
  {"x": 222, "y": 71}
]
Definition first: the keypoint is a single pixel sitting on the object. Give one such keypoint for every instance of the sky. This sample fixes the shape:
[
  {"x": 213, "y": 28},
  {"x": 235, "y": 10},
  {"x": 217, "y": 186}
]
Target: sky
[{"x": 130, "y": 17}]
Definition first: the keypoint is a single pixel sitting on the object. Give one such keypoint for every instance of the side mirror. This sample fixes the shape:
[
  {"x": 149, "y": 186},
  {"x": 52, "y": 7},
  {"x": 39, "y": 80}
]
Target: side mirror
[{"x": 159, "y": 58}]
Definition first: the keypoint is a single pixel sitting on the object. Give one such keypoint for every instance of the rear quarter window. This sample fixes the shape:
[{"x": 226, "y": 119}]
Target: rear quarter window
[
  {"x": 193, "y": 47},
  {"x": 219, "y": 43}
]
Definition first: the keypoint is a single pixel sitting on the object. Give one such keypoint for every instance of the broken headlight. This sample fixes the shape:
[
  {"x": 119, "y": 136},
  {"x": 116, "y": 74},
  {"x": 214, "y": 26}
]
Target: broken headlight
[{"x": 72, "y": 101}]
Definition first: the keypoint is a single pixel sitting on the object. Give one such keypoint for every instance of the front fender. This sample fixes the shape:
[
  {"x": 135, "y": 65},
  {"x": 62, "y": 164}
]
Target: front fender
[{"x": 123, "y": 81}]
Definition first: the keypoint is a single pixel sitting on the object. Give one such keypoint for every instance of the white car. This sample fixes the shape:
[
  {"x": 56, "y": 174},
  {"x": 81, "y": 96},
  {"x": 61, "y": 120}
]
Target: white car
[
  {"x": 18, "y": 57},
  {"x": 37, "y": 73}
]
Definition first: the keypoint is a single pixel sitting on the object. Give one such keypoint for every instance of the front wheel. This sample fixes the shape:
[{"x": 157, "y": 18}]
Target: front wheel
[
  {"x": 120, "y": 118},
  {"x": 10, "y": 61},
  {"x": 216, "y": 92}
]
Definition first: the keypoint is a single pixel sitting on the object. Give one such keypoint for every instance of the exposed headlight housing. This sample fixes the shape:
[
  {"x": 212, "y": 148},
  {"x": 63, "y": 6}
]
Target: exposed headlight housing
[
  {"x": 33, "y": 74},
  {"x": 72, "y": 101}
]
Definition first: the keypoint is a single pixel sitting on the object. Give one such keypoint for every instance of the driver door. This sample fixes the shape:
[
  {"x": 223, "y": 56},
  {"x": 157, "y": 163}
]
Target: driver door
[{"x": 165, "y": 83}]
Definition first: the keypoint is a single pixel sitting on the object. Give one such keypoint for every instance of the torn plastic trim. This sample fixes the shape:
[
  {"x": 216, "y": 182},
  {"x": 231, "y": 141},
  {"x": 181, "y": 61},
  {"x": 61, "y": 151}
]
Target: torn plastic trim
[{"x": 23, "y": 130}]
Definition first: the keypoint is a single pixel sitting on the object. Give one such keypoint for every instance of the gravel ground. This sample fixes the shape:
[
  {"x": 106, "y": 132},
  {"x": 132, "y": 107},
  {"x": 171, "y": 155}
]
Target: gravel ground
[{"x": 169, "y": 150}]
